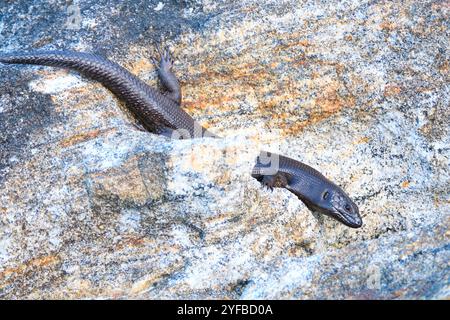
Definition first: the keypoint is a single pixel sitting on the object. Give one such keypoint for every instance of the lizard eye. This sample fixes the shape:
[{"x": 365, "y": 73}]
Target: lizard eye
[
  {"x": 347, "y": 207},
  {"x": 325, "y": 195}
]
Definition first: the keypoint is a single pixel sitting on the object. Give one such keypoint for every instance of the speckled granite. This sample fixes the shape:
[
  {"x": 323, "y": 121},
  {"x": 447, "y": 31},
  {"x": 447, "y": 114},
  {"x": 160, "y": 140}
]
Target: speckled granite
[{"x": 91, "y": 207}]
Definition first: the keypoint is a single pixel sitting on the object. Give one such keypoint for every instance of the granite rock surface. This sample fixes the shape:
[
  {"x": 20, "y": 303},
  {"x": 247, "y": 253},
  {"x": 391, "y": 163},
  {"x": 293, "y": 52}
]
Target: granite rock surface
[{"x": 91, "y": 207}]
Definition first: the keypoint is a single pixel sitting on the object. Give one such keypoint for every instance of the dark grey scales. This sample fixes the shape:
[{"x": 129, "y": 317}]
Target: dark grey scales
[
  {"x": 161, "y": 113},
  {"x": 309, "y": 185}
]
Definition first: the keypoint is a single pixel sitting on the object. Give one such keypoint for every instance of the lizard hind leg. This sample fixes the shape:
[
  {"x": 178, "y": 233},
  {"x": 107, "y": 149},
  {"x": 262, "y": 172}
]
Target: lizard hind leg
[{"x": 167, "y": 77}]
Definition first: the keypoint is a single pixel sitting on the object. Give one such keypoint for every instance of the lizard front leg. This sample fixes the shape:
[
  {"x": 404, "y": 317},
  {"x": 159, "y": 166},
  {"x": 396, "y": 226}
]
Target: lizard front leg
[{"x": 167, "y": 77}]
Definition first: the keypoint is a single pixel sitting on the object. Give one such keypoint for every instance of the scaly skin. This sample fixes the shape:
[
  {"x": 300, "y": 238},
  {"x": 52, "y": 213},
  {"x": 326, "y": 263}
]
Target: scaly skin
[
  {"x": 309, "y": 185},
  {"x": 161, "y": 113}
]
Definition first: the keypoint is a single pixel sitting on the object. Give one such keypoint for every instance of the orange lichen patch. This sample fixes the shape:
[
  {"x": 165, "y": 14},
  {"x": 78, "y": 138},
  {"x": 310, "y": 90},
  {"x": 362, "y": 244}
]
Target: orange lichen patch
[
  {"x": 330, "y": 103},
  {"x": 82, "y": 137},
  {"x": 242, "y": 76},
  {"x": 348, "y": 37},
  {"x": 151, "y": 246},
  {"x": 326, "y": 107},
  {"x": 392, "y": 90},
  {"x": 249, "y": 71},
  {"x": 315, "y": 75},
  {"x": 140, "y": 66},
  {"x": 388, "y": 26},
  {"x": 304, "y": 43},
  {"x": 131, "y": 242},
  {"x": 362, "y": 140},
  {"x": 405, "y": 184},
  {"x": 292, "y": 43},
  {"x": 223, "y": 178},
  {"x": 218, "y": 87},
  {"x": 300, "y": 62},
  {"x": 207, "y": 94},
  {"x": 289, "y": 39},
  {"x": 398, "y": 293},
  {"x": 35, "y": 263},
  {"x": 269, "y": 108},
  {"x": 443, "y": 68},
  {"x": 204, "y": 101}
]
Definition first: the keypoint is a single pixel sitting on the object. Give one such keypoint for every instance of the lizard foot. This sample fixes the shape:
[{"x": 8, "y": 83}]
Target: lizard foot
[
  {"x": 165, "y": 60},
  {"x": 273, "y": 181},
  {"x": 268, "y": 182}
]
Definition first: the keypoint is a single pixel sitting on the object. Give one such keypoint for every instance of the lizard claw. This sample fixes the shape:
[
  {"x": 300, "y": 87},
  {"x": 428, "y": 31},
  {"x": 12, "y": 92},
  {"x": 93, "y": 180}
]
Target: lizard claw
[
  {"x": 155, "y": 62},
  {"x": 267, "y": 186},
  {"x": 167, "y": 57},
  {"x": 158, "y": 49},
  {"x": 164, "y": 59}
]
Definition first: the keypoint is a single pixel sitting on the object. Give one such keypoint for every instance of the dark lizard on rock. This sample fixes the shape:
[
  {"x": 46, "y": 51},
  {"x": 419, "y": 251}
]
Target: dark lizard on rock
[{"x": 160, "y": 112}]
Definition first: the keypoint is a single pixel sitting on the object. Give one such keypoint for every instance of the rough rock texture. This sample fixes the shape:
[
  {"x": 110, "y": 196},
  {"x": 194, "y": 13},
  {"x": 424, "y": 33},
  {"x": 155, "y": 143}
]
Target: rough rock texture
[{"x": 91, "y": 207}]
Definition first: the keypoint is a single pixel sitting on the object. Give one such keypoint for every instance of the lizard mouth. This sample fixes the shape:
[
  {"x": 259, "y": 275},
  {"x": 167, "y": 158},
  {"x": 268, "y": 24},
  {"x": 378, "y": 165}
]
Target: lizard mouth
[{"x": 349, "y": 218}]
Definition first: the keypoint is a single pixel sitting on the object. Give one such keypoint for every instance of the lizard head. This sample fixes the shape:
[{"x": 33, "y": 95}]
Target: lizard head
[
  {"x": 333, "y": 202},
  {"x": 310, "y": 186}
]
